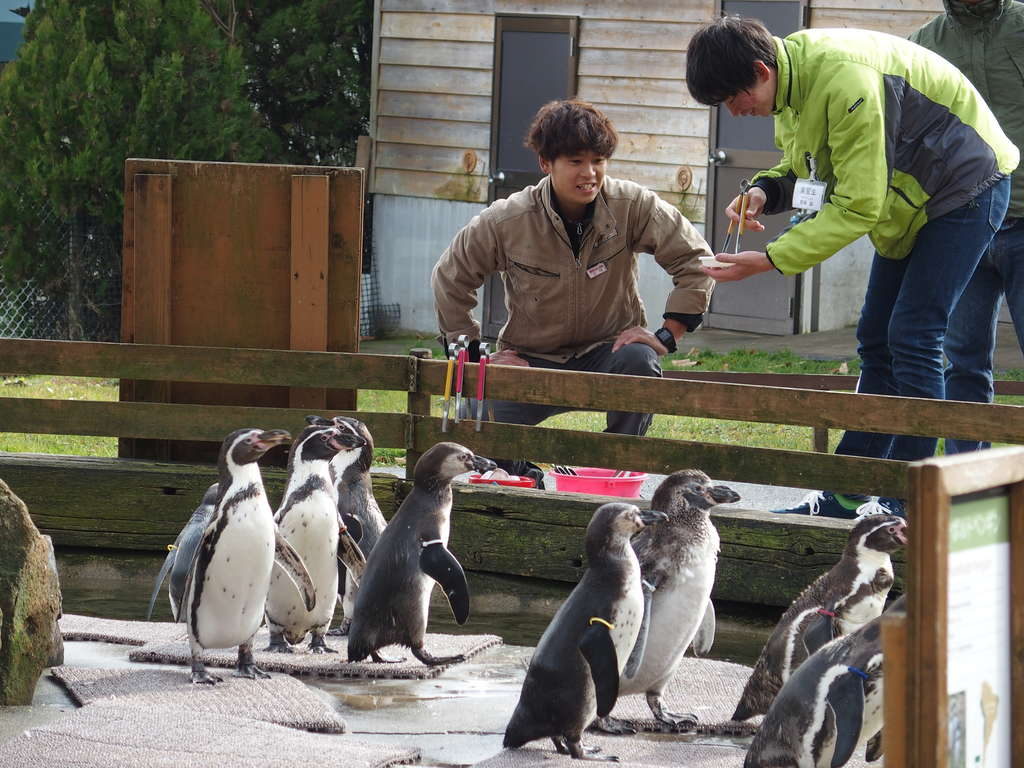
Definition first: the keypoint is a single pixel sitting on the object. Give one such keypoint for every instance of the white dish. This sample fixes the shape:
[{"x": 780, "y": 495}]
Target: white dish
[{"x": 711, "y": 261}]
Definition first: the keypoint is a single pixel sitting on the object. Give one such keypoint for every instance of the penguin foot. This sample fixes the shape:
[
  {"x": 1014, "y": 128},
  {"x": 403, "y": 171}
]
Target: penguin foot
[
  {"x": 279, "y": 648},
  {"x": 385, "y": 659},
  {"x": 250, "y": 671},
  {"x": 613, "y": 725},
  {"x": 200, "y": 675},
  {"x": 317, "y": 645},
  {"x": 342, "y": 629},
  {"x": 579, "y": 751},
  {"x": 671, "y": 721},
  {"x": 434, "y": 661}
]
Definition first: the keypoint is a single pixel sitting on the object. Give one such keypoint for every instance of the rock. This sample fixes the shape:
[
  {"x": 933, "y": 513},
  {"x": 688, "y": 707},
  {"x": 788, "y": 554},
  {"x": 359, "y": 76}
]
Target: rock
[{"x": 29, "y": 602}]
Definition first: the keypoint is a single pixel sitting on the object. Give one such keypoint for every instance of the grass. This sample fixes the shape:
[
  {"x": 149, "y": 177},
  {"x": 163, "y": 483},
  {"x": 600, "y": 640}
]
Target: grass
[{"x": 675, "y": 427}]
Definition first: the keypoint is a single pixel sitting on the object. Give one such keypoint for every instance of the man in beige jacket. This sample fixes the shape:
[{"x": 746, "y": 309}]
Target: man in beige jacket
[{"x": 566, "y": 250}]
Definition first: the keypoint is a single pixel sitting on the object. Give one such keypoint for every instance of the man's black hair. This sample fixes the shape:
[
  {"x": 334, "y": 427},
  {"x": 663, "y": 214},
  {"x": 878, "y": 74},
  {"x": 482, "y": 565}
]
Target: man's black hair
[
  {"x": 569, "y": 127},
  {"x": 721, "y": 55}
]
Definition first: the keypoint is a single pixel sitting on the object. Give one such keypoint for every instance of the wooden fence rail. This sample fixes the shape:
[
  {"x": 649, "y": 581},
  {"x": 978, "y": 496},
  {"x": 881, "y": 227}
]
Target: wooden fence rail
[{"x": 417, "y": 431}]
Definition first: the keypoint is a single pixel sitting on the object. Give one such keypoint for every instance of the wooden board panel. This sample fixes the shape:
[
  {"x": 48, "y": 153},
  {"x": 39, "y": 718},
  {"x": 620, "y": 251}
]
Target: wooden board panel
[
  {"x": 659, "y": 120},
  {"x": 636, "y": 35},
  {"x": 213, "y": 365},
  {"x": 896, "y": 23},
  {"x": 309, "y": 270},
  {"x": 657, "y": 176},
  {"x": 438, "y": 133},
  {"x": 460, "y": 27},
  {"x": 436, "y": 53},
  {"x": 637, "y": 91},
  {"x": 935, "y": 6},
  {"x": 632, "y": 63},
  {"x": 621, "y": 10},
  {"x": 435, "y": 106},
  {"x": 438, "y": 159},
  {"x": 648, "y": 148},
  {"x": 466, "y": 82},
  {"x": 444, "y": 186}
]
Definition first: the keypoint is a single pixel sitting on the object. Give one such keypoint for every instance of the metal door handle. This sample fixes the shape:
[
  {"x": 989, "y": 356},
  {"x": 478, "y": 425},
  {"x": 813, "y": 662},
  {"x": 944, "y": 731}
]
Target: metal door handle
[
  {"x": 717, "y": 157},
  {"x": 499, "y": 176}
]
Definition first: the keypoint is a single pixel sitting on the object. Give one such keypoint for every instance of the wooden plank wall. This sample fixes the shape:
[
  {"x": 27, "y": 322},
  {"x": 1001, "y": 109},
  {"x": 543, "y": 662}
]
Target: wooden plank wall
[{"x": 434, "y": 81}]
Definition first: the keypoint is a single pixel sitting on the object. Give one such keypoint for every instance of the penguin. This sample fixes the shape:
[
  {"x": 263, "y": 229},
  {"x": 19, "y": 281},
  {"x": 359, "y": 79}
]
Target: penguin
[
  {"x": 829, "y": 707},
  {"x": 677, "y": 564},
  {"x": 412, "y": 553},
  {"x": 837, "y": 603},
  {"x": 308, "y": 519},
  {"x": 229, "y": 577},
  {"x": 356, "y": 505},
  {"x": 179, "y": 555},
  {"x": 574, "y": 673}
]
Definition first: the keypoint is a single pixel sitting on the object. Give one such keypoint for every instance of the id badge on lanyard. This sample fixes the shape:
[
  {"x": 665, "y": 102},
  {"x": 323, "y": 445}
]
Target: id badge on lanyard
[{"x": 809, "y": 194}]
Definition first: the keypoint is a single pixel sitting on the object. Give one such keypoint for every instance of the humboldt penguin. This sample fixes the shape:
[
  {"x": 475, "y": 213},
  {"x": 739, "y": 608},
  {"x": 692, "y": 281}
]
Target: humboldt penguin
[
  {"x": 829, "y": 707},
  {"x": 308, "y": 519},
  {"x": 412, "y": 553},
  {"x": 837, "y": 603},
  {"x": 179, "y": 555},
  {"x": 677, "y": 564},
  {"x": 574, "y": 673},
  {"x": 356, "y": 505},
  {"x": 228, "y": 580}
]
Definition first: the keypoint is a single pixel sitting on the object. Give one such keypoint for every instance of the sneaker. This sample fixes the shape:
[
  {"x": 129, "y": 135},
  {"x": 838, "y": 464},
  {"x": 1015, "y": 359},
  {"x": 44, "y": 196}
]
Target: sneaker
[
  {"x": 886, "y": 505},
  {"x": 827, "y": 504}
]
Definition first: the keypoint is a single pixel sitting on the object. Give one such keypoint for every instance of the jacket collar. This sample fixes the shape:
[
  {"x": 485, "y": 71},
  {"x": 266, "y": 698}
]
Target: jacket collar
[
  {"x": 975, "y": 16},
  {"x": 786, "y": 92},
  {"x": 603, "y": 221}
]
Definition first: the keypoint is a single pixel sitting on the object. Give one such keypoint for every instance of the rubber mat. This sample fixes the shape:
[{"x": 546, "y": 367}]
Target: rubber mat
[
  {"x": 75, "y": 627},
  {"x": 281, "y": 700},
  {"x": 128, "y": 734},
  {"x": 331, "y": 665}
]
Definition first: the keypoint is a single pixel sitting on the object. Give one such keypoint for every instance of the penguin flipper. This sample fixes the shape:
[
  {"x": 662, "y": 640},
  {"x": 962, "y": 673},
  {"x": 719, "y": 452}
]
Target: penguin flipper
[
  {"x": 819, "y": 632},
  {"x": 636, "y": 657},
  {"x": 351, "y": 555},
  {"x": 440, "y": 565},
  {"x": 845, "y": 700},
  {"x": 705, "y": 637},
  {"x": 168, "y": 562},
  {"x": 598, "y": 649},
  {"x": 290, "y": 561},
  {"x": 355, "y": 528},
  {"x": 874, "y": 748}
]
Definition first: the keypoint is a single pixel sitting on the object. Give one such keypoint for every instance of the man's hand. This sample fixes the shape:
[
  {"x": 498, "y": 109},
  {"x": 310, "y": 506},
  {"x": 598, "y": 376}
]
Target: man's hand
[
  {"x": 507, "y": 357},
  {"x": 756, "y": 198},
  {"x": 744, "y": 264},
  {"x": 639, "y": 335}
]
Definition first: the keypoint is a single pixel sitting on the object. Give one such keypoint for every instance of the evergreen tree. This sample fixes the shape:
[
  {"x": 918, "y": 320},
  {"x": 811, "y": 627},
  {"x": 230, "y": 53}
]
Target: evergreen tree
[
  {"x": 95, "y": 82},
  {"x": 309, "y": 73}
]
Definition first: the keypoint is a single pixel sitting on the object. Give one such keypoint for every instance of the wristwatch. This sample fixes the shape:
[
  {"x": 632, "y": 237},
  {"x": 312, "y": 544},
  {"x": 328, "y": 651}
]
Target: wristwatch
[{"x": 664, "y": 335}]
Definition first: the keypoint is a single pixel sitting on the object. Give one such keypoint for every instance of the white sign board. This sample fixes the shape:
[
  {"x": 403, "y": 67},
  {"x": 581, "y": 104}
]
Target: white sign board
[{"x": 978, "y": 633}]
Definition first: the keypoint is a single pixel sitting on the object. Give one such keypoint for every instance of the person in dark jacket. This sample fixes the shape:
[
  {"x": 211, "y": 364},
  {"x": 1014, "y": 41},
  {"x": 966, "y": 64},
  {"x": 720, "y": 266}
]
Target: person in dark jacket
[{"x": 984, "y": 39}]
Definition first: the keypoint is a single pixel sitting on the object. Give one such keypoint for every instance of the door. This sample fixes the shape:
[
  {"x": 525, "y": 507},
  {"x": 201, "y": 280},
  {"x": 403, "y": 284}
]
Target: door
[
  {"x": 741, "y": 146},
  {"x": 534, "y": 63}
]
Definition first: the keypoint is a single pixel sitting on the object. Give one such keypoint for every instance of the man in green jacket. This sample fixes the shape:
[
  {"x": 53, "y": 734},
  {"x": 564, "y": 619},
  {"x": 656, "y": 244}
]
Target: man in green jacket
[
  {"x": 879, "y": 137},
  {"x": 984, "y": 39}
]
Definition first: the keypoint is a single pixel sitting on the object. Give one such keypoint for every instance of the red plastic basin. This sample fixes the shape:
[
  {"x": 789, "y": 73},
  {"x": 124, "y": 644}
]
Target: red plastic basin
[
  {"x": 601, "y": 481},
  {"x": 513, "y": 480}
]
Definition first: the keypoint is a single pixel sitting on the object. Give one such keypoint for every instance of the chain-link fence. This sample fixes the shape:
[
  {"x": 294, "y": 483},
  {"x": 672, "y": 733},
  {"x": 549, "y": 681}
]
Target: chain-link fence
[{"x": 79, "y": 296}]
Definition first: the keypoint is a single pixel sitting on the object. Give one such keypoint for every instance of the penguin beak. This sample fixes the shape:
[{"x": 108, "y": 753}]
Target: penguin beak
[
  {"x": 481, "y": 465},
  {"x": 349, "y": 440},
  {"x": 652, "y": 516},
  {"x": 267, "y": 440},
  {"x": 723, "y": 494}
]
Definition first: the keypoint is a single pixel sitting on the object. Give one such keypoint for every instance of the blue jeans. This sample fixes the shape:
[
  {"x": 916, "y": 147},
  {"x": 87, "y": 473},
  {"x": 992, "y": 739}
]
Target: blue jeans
[
  {"x": 971, "y": 338},
  {"x": 906, "y": 310}
]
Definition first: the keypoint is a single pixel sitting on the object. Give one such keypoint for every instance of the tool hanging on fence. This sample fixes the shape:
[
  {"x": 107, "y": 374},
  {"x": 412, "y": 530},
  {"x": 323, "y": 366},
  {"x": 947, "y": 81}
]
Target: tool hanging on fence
[
  {"x": 448, "y": 386},
  {"x": 460, "y": 370},
  {"x": 481, "y": 375}
]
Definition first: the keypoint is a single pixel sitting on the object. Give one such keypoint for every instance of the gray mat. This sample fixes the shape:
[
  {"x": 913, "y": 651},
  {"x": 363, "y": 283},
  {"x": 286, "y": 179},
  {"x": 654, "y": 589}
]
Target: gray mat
[
  {"x": 74, "y": 627},
  {"x": 281, "y": 700},
  {"x": 709, "y": 689},
  {"x": 647, "y": 751},
  {"x": 115, "y": 734},
  {"x": 330, "y": 665}
]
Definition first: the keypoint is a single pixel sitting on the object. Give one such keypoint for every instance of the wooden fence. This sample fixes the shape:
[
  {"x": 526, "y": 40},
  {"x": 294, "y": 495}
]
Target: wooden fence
[{"x": 138, "y": 504}]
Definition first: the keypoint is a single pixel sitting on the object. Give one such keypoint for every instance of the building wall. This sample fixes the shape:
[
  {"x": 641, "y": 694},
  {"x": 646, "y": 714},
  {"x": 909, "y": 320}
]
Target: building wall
[{"x": 431, "y": 125}]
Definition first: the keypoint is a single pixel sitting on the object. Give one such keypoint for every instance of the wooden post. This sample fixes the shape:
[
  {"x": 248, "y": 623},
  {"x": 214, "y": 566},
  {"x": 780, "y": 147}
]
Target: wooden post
[
  {"x": 820, "y": 440},
  {"x": 895, "y": 694},
  {"x": 418, "y": 406},
  {"x": 308, "y": 252}
]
